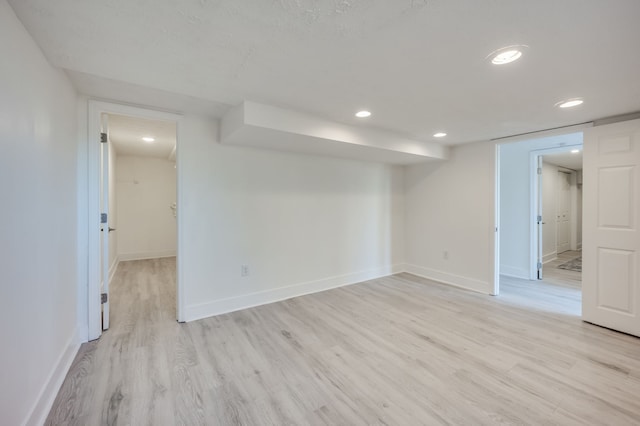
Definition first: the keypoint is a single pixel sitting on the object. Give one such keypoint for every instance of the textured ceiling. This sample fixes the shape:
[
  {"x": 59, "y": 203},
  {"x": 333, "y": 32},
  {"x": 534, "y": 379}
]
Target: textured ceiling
[
  {"x": 126, "y": 134},
  {"x": 418, "y": 65}
]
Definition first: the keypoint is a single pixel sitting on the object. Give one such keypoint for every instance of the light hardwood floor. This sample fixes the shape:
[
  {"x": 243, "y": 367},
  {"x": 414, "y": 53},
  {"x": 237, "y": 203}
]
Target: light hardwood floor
[
  {"x": 398, "y": 351},
  {"x": 554, "y": 275}
]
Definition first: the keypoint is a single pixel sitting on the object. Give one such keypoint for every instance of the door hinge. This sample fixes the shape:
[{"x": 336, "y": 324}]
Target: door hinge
[
  {"x": 539, "y": 265},
  {"x": 539, "y": 219},
  {"x": 103, "y": 138},
  {"x": 103, "y": 218},
  {"x": 104, "y": 298},
  {"x": 539, "y": 170}
]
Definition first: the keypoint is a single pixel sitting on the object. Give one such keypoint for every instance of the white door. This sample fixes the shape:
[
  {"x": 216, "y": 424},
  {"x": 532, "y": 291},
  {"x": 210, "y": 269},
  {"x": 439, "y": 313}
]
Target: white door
[
  {"x": 563, "y": 203},
  {"x": 104, "y": 219},
  {"x": 611, "y": 215},
  {"x": 540, "y": 217}
]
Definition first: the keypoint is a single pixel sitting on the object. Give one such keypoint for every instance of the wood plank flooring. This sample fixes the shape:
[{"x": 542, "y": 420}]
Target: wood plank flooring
[
  {"x": 562, "y": 277},
  {"x": 397, "y": 351}
]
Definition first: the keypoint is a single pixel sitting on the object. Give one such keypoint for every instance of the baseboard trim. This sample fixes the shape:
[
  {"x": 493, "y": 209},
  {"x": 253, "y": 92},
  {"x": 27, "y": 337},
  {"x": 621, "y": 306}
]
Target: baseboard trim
[
  {"x": 450, "y": 279},
  {"x": 232, "y": 304},
  {"x": 146, "y": 255},
  {"x": 549, "y": 257},
  {"x": 515, "y": 272},
  {"x": 49, "y": 391}
]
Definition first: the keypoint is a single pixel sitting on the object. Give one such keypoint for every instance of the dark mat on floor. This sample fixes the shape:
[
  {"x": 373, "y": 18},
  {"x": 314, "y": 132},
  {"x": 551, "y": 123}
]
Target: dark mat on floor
[{"x": 572, "y": 265}]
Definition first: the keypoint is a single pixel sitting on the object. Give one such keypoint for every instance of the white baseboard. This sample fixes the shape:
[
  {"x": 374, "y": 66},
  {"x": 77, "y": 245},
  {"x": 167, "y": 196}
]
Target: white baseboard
[
  {"x": 549, "y": 257},
  {"x": 146, "y": 255},
  {"x": 49, "y": 391},
  {"x": 515, "y": 272},
  {"x": 450, "y": 279},
  {"x": 231, "y": 304}
]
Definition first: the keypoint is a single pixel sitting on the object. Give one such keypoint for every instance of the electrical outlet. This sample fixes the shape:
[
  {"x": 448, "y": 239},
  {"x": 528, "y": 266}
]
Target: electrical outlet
[
  {"x": 244, "y": 270},
  {"x": 445, "y": 255}
]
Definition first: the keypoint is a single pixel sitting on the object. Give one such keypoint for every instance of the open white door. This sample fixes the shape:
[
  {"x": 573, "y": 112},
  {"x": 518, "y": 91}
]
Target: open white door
[
  {"x": 611, "y": 214},
  {"x": 539, "y": 218},
  {"x": 104, "y": 219}
]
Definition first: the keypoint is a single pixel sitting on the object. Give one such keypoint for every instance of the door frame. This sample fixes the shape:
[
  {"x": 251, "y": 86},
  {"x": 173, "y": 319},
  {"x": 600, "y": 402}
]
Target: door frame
[
  {"x": 496, "y": 229},
  {"x": 95, "y": 109},
  {"x": 536, "y": 194}
]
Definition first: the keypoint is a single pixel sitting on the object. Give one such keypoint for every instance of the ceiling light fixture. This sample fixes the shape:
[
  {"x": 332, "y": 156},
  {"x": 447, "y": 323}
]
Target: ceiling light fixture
[
  {"x": 507, "y": 54},
  {"x": 439, "y": 135},
  {"x": 148, "y": 139},
  {"x": 363, "y": 114},
  {"x": 570, "y": 103},
  {"x": 575, "y": 151}
]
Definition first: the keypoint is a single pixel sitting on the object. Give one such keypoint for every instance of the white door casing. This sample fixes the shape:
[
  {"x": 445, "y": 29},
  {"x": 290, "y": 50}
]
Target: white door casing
[
  {"x": 105, "y": 221},
  {"x": 611, "y": 214},
  {"x": 540, "y": 218},
  {"x": 92, "y": 232}
]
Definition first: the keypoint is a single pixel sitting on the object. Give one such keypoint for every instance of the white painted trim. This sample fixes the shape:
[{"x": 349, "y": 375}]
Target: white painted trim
[
  {"x": 82, "y": 238},
  {"x": 95, "y": 109},
  {"x": 535, "y": 207},
  {"x": 180, "y": 287},
  {"x": 450, "y": 279},
  {"x": 533, "y": 203},
  {"x": 549, "y": 257},
  {"x": 515, "y": 272},
  {"x": 231, "y": 304},
  {"x": 49, "y": 391},
  {"x": 146, "y": 255},
  {"x": 94, "y": 280},
  {"x": 496, "y": 268}
]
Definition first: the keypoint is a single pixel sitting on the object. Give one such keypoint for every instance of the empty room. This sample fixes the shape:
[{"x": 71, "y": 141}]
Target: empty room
[{"x": 320, "y": 212}]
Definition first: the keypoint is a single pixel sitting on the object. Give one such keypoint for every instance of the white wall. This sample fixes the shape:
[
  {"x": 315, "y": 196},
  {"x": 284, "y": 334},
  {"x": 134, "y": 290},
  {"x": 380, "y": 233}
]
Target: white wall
[
  {"x": 450, "y": 207},
  {"x": 301, "y": 223},
  {"x": 550, "y": 194},
  {"x": 515, "y": 200},
  {"x": 38, "y": 234},
  {"x": 146, "y": 187}
]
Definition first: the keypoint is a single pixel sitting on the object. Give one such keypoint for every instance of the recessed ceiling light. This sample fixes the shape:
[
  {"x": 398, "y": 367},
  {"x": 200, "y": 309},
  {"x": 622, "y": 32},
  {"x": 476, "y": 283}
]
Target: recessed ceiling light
[
  {"x": 363, "y": 114},
  {"x": 148, "y": 139},
  {"x": 575, "y": 151},
  {"x": 507, "y": 54},
  {"x": 570, "y": 103},
  {"x": 439, "y": 135}
]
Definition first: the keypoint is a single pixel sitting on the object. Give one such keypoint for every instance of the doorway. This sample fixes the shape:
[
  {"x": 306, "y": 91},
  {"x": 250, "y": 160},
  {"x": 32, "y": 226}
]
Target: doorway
[
  {"x": 557, "y": 213},
  {"x": 143, "y": 188},
  {"x": 131, "y": 123},
  {"x": 519, "y": 217}
]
